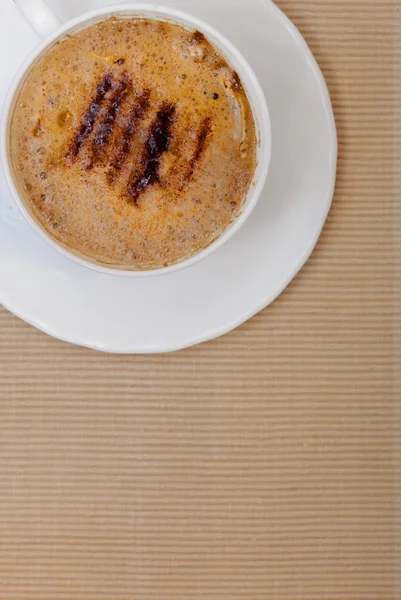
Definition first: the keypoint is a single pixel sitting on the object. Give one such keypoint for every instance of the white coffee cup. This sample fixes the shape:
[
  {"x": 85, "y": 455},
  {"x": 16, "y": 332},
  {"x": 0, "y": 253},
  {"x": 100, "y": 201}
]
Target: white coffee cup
[{"x": 48, "y": 27}]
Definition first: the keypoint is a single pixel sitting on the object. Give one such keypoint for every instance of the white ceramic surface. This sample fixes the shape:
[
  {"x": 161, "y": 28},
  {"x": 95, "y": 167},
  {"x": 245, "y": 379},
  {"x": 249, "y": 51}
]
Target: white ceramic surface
[
  {"x": 47, "y": 20},
  {"x": 212, "y": 297}
]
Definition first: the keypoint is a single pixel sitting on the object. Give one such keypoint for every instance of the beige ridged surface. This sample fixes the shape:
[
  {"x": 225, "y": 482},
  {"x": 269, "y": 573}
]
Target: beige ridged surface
[{"x": 262, "y": 465}]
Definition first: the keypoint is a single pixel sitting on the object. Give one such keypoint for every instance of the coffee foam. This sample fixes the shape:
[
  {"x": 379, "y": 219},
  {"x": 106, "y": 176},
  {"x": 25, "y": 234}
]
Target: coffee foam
[{"x": 134, "y": 142}]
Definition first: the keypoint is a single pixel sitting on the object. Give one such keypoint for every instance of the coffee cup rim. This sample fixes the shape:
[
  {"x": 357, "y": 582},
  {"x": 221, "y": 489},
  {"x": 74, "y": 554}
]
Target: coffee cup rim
[{"x": 236, "y": 60}]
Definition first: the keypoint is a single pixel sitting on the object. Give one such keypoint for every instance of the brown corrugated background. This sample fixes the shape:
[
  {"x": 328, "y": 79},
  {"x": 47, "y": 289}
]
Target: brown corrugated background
[{"x": 262, "y": 465}]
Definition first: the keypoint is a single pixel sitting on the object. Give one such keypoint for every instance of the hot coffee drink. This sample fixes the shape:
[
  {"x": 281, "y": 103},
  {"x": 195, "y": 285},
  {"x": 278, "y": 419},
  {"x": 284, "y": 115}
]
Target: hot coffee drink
[{"x": 134, "y": 143}]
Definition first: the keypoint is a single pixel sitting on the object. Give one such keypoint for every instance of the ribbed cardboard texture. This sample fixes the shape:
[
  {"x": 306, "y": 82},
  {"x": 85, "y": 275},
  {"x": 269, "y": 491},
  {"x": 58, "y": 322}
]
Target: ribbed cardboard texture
[{"x": 265, "y": 464}]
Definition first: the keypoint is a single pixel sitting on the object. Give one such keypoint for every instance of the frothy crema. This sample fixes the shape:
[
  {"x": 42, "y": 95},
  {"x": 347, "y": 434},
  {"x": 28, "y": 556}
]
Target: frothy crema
[{"x": 134, "y": 143}]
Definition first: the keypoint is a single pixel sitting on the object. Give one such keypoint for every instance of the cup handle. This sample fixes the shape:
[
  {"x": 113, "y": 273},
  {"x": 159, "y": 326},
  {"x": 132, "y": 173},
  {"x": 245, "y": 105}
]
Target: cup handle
[{"x": 39, "y": 15}]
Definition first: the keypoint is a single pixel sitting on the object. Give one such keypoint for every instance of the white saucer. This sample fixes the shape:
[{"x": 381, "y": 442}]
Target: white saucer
[{"x": 213, "y": 297}]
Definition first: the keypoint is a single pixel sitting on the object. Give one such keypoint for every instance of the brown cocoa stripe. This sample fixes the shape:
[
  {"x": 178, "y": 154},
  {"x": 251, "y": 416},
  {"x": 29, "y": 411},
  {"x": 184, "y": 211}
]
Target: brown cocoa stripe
[
  {"x": 102, "y": 137},
  {"x": 124, "y": 148},
  {"x": 157, "y": 143},
  {"x": 203, "y": 134},
  {"x": 89, "y": 118}
]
